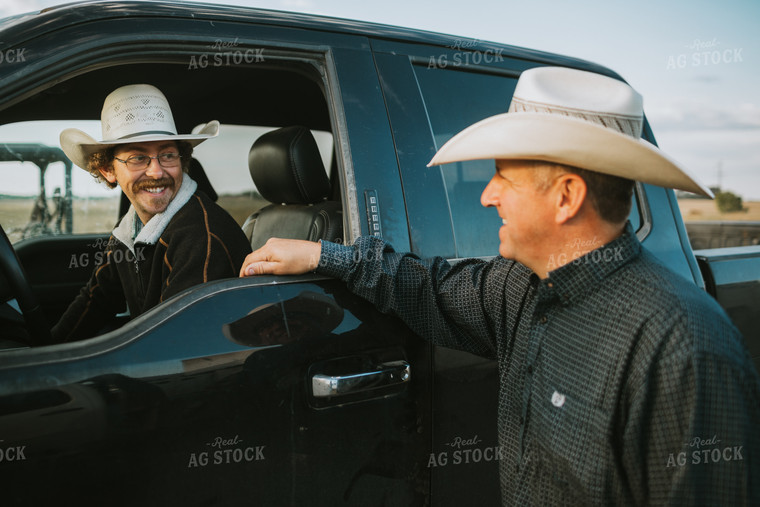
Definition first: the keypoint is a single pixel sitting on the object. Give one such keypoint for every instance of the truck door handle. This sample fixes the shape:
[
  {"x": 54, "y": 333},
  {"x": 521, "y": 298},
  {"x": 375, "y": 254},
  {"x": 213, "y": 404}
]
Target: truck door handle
[{"x": 386, "y": 374}]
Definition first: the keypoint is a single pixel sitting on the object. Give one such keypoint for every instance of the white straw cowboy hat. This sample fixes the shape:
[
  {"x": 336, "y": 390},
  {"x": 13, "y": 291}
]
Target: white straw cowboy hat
[
  {"x": 576, "y": 118},
  {"x": 131, "y": 114}
]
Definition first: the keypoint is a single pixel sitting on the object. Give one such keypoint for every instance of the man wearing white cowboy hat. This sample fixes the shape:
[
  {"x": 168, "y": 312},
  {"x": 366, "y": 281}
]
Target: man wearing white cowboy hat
[
  {"x": 611, "y": 367},
  {"x": 173, "y": 236}
]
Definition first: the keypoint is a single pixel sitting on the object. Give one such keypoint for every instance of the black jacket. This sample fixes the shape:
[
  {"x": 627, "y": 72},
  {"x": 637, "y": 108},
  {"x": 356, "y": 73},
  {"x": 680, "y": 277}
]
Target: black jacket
[{"x": 200, "y": 243}]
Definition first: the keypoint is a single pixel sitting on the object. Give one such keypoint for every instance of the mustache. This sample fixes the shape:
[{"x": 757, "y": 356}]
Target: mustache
[{"x": 166, "y": 181}]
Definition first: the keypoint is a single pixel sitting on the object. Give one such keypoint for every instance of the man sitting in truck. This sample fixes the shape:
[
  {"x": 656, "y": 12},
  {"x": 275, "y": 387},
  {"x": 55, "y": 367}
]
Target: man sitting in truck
[
  {"x": 173, "y": 236},
  {"x": 620, "y": 381}
]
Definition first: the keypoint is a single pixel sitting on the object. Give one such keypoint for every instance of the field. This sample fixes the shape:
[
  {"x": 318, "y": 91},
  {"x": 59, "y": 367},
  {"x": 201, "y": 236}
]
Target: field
[
  {"x": 90, "y": 215},
  {"x": 694, "y": 210},
  {"x": 241, "y": 206},
  {"x": 97, "y": 215}
]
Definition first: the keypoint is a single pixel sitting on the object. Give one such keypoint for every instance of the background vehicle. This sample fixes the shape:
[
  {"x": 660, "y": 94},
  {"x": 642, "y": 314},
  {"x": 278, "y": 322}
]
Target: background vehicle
[
  {"x": 192, "y": 403},
  {"x": 43, "y": 220}
]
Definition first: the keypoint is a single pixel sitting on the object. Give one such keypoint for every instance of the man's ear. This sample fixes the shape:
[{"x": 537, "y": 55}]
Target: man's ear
[
  {"x": 571, "y": 194},
  {"x": 108, "y": 174}
]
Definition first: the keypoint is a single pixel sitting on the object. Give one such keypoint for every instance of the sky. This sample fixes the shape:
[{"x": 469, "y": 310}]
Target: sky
[{"x": 696, "y": 62}]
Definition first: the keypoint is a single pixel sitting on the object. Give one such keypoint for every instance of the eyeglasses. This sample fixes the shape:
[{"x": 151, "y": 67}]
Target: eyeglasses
[{"x": 139, "y": 162}]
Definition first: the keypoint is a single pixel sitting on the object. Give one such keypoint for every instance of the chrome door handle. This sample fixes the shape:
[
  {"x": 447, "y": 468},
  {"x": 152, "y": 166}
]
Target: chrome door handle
[{"x": 387, "y": 374}]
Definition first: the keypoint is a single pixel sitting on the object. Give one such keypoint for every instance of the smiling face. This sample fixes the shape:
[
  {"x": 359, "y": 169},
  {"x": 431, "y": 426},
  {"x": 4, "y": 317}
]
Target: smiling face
[
  {"x": 526, "y": 211},
  {"x": 151, "y": 189}
]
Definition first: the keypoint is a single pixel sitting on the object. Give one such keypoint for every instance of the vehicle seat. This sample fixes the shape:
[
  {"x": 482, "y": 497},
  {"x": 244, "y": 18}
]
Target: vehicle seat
[
  {"x": 287, "y": 170},
  {"x": 196, "y": 172}
]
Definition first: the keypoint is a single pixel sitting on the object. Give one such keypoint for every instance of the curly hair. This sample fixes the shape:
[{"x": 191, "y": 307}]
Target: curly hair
[{"x": 103, "y": 159}]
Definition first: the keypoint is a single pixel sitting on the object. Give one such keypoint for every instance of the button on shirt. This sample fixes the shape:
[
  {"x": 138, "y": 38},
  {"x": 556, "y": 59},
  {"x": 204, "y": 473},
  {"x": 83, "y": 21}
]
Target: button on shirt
[{"x": 620, "y": 382}]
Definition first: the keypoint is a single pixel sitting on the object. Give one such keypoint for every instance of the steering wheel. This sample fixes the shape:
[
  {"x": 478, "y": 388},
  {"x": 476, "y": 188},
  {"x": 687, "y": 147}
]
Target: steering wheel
[{"x": 36, "y": 325}]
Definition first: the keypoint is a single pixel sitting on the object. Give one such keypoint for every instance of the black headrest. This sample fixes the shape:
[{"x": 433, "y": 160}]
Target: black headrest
[
  {"x": 196, "y": 172},
  {"x": 286, "y": 167}
]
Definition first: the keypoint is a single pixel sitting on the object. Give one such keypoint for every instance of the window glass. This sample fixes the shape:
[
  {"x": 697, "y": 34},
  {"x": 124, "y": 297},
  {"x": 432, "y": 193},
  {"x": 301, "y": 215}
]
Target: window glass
[
  {"x": 42, "y": 192},
  {"x": 635, "y": 216},
  {"x": 454, "y": 100}
]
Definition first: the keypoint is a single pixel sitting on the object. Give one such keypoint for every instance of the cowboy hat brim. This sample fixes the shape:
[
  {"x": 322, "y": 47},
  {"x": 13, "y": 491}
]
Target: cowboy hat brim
[
  {"x": 569, "y": 141},
  {"x": 78, "y": 146}
]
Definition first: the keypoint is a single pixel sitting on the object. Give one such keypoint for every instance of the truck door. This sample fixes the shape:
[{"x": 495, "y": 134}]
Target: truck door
[
  {"x": 259, "y": 391},
  {"x": 432, "y": 94}
]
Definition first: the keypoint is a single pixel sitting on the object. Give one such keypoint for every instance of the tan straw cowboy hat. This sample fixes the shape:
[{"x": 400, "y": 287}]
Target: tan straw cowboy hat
[
  {"x": 131, "y": 114},
  {"x": 576, "y": 118}
]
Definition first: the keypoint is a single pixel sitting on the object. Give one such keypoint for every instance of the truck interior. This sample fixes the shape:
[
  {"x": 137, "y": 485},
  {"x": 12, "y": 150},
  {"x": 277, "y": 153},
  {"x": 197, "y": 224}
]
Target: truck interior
[{"x": 249, "y": 100}]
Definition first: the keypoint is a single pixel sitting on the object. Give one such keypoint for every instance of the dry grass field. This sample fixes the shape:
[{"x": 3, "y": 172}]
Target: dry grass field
[
  {"x": 90, "y": 215},
  {"x": 696, "y": 210},
  {"x": 241, "y": 206},
  {"x": 100, "y": 215}
]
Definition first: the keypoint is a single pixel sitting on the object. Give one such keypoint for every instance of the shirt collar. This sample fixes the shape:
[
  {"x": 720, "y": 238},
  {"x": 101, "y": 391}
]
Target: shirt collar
[
  {"x": 584, "y": 273},
  {"x": 138, "y": 225}
]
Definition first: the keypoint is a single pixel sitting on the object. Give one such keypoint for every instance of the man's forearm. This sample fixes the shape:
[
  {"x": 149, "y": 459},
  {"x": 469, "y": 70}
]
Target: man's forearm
[{"x": 428, "y": 295}]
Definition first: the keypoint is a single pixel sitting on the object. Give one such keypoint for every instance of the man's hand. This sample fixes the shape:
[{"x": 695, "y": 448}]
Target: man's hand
[{"x": 282, "y": 257}]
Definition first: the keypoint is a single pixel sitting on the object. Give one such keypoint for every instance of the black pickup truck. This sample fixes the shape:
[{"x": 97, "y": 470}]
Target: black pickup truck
[{"x": 266, "y": 390}]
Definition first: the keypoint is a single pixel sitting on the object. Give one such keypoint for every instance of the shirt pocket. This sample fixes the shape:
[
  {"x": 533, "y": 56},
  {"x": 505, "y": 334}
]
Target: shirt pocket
[{"x": 574, "y": 444}]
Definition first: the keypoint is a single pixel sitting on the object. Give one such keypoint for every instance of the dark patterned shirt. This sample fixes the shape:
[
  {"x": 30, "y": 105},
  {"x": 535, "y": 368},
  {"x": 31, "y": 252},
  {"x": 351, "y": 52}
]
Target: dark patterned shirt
[{"x": 620, "y": 381}]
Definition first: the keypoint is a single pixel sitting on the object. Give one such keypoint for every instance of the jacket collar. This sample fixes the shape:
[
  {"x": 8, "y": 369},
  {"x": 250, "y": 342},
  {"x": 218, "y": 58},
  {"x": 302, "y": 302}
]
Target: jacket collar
[{"x": 152, "y": 231}]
